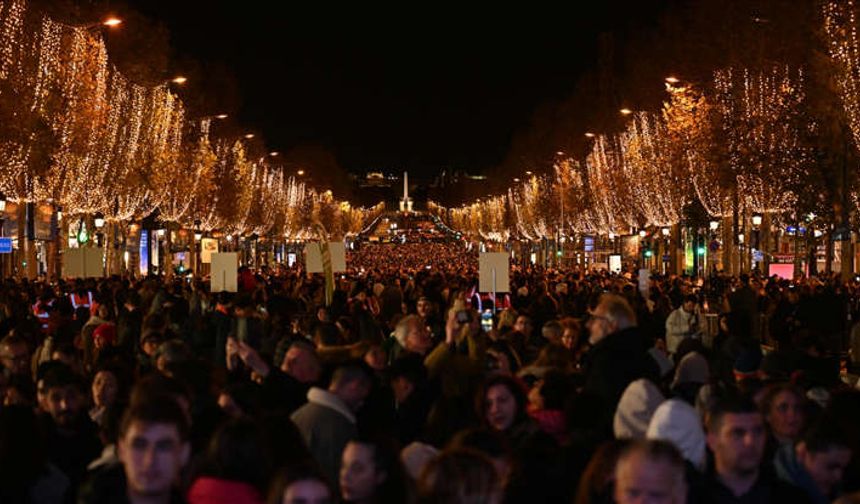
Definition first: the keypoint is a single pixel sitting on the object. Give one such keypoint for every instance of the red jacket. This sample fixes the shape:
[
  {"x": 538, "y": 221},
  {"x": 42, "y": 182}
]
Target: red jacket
[{"x": 208, "y": 490}]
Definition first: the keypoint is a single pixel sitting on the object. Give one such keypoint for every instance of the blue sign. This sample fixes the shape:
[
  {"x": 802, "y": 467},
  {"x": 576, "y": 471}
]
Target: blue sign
[
  {"x": 5, "y": 245},
  {"x": 144, "y": 252},
  {"x": 589, "y": 244}
]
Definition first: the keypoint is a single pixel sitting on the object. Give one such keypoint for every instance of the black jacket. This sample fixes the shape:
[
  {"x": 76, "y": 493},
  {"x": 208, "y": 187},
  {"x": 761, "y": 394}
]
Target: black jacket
[{"x": 613, "y": 363}]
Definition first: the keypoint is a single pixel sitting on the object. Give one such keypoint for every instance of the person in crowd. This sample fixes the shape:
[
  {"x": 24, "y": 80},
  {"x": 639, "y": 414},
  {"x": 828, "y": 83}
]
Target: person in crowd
[
  {"x": 637, "y": 405},
  {"x": 684, "y": 322},
  {"x": 619, "y": 354},
  {"x": 371, "y": 472},
  {"x": 736, "y": 436},
  {"x": 817, "y": 462},
  {"x": 328, "y": 421},
  {"x": 460, "y": 476},
  {"x": 652, "y": 472},
  {"x": 71, "y": 437},
  {"x": 301, "y": 484},
  {"x": 236, "y": 469},
  {"x": 784, "y": 410},
  {"x": 153, "y": 448}
]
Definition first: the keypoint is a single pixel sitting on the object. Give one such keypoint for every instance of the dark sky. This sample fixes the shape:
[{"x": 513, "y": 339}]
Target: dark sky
[{"x": 421, "y": 88}]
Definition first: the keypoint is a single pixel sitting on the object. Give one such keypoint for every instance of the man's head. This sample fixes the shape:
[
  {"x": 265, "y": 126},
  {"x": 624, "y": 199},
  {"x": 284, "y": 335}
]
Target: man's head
[
  {"x": 64, "y": 396},
  {"x": 406, "y": 374},
  {"x": 650, "y": 472},
  {"x": 153, "y": 446},
  {"x": 552, "y": 331},
  {"x": 413, "y": 335},
  {"x": 351, "y": 382},
  {"x": 736, "y": 436},
  {"x": 825, "y": 453},
  {"x": 689, "y": 303},
  {"x": 301, "y": 362},
  {"x": 15, "y": 355},
  {"x": 612, "y": 314}
]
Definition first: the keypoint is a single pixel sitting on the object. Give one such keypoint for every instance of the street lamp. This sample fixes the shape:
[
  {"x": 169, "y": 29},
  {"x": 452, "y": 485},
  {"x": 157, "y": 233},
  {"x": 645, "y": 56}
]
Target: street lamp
[
  {"x": 112, "y": 21},
  {"x": 222, "y": 116},
  {"x": 714, "y": 225},
  {"x": 626, "y": 111},
  {"x": 672, "y": 79},
  {"x": 665, "y": 231},
  {"x": 300, "y": 173},
  {"x": 179, "y": 79},
  {"x": 99, "y": 220},
  {"x": 249, "y": 136},
  {"x": 589, "y": 134},
  {"x": 756, "y": 219},
  {"x": 642, "y": 233}
]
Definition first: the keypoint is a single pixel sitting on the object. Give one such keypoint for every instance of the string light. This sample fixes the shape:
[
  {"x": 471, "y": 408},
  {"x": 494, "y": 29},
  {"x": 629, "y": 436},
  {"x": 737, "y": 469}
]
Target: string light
[{"x": 76, "y": 132}]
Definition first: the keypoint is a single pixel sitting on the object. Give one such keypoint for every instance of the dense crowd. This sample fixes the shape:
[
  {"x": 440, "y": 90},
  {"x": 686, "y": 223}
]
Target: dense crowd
[{"x": 412, "y": 386}]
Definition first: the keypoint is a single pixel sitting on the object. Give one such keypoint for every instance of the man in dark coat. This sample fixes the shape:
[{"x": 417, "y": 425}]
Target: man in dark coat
[{"x": 619, "y": 353}]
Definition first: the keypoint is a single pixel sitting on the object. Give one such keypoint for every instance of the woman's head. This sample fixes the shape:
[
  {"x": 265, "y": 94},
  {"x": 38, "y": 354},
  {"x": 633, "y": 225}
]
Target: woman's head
[
  {"x": 783, "y": 408},
  {"x": 460, "y": 476},
  {"x": 105, "y": 388},
  {"x": 301, "y": 484},
  {"x": 371, "y": 471},
  {"x": 502, "y": 402},
  {"x": 238, "y": 452}
]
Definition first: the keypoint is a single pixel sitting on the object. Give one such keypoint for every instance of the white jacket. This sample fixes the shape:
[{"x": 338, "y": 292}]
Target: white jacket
[{"x": 680, "y": 325}]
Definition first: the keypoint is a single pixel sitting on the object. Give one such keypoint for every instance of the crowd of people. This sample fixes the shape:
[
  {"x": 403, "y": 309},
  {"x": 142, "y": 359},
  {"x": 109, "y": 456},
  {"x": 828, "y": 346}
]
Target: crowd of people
[{"x": 412, "y": 386}]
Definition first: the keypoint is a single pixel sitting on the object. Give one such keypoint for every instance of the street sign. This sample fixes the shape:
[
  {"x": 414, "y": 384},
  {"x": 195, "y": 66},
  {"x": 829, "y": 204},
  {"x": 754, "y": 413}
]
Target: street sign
[{"x": 5, "y": 245}]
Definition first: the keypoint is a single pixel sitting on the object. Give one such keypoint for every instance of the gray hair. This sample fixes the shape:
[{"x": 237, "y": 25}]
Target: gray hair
[
  {"x": 401, "y": 330},
  {"x": 618, "y": 310}
]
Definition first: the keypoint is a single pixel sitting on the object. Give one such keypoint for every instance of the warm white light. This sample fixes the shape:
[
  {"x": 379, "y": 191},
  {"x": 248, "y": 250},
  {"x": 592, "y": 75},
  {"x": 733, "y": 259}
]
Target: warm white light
[
  {"x": 672, "y": 80},
  {"x": 756, "y": 219},
  {"x": 112, "y": 21},
  {"x": 626, "y": 111},
  {"x": 714, "y": 224},
  {"x": 589, "y": 134},
  {"x": 221, "y": 116},
  {"x": 249, "y": 136},
  {"x": 179, "y": 79},
  {"x": 642, "y": 233},
  {"x": 665, "y": 231},
  {"x": 99, "y": 221}
]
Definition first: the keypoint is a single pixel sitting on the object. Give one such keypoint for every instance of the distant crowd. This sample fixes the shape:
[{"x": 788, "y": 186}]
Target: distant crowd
[{"x": 412, "y": 386}]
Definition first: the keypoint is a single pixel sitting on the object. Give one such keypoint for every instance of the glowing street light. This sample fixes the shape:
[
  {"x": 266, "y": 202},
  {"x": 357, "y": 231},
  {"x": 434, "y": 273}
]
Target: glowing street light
[
  {"x": 589, "y": 134},
  {"x": 300, "y": 173},
  {"x": 99, "y": 220},
  {"x": 249, "y": 136},
  {"x": 112, "y": 21},
  {"x": 528, "y": 173},
  {"x": 626, "y": 111},
  {"x": 714, "y": 225},
  {"x": 672, "y": 79},
  {"x": 756, "y": 219},
  {"x": 274, "y": 153},
  {"x": 179, "y": 79},
  {"x": 221, "y": 116},
  {"x": 665, "y": 231},
  {"x": 559, "y": 153},
  {"x": 516, "y": 179},
  {"x": 642, "y": 233}
]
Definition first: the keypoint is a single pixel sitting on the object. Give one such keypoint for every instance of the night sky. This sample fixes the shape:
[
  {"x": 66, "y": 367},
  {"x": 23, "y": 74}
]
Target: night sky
[{"x": 423, "y": 88}]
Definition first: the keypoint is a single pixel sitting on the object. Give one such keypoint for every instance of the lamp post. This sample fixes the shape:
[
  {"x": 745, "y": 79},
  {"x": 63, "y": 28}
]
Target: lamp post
[{"x": 756, "y": 220}]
